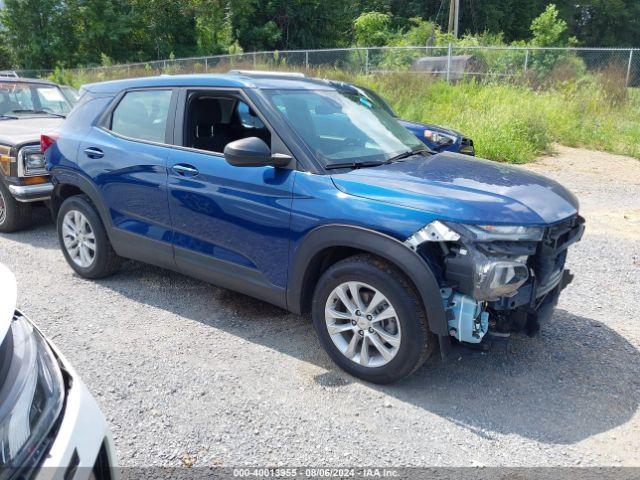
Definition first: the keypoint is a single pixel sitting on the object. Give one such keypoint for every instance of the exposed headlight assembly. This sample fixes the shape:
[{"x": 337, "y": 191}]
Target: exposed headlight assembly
[
  {"x": 32, "y": 160},
  {"x": 31, "y": 396},
  {"x": 481, "y": 276}
]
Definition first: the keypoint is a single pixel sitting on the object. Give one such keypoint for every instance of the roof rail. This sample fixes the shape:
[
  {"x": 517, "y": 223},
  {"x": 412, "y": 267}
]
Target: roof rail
[
  {"x": 266, "y": 73},
  {"x": 9, "y": 73}
]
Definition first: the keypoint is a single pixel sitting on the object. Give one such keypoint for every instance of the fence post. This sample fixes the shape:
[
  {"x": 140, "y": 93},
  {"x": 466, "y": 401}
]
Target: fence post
[
  {"x": 206, "y": 64},
  {"x": 629, "y": 66},
  {"x": 366, "y": 61},
  {"x": 449, "y": 63},
  {"x": 306, "y": 60},
  {"x": 526, "y": 60}
]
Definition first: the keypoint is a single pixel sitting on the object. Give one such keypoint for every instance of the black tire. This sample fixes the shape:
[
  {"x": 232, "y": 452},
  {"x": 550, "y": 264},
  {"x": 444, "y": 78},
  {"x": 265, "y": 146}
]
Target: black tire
[
  {"x": 417, "y": 342},
  {"x": 16, "y": 215},
  {"x": 105, "y": 261}
]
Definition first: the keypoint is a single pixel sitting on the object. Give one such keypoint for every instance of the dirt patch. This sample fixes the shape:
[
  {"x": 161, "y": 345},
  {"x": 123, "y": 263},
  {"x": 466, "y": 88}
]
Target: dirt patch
[{"x": 607, "y": 185}]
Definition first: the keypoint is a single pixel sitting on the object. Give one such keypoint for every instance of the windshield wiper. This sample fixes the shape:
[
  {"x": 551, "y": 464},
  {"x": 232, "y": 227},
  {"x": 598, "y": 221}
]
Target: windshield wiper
[
  {"x": 333, "y": 166},
  {"x": 43, "y": 112},
  {"x": 8, "y": 117},
  {"x": 407, "y": 154}
]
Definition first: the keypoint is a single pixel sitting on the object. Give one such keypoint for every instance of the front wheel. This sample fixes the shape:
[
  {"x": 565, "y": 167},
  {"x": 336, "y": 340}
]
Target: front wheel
[
  {"x": 14, "y": 215},
  {"x": 370, "y": 320}
]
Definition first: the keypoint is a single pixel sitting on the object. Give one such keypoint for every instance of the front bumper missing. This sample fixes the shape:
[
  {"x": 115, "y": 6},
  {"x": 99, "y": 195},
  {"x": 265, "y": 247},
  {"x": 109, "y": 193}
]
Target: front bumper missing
[{"x": 31, "y": 193}]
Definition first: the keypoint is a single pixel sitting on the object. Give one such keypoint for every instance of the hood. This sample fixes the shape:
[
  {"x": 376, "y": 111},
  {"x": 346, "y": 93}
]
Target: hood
[
  {"x": 26, "y": 129},
  {"x": 8, "y": 296},
  {"x": 462, "y": 188},
  {"x": 420, "y": 127}
]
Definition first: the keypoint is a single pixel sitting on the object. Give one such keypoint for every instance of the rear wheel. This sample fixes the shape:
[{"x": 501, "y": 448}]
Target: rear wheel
[
  {"x": 83, "y": 239},
  {"x": 370, "y": 320},
  {"x": 14, "y": 215}
]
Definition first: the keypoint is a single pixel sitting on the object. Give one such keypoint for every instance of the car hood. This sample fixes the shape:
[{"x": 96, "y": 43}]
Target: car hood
[
  {"x": 8, "y": 296},
  {"x": 26, "y": 129},
  {"x": 420, "y": 127},
  {"x": 462, "y": 188}
]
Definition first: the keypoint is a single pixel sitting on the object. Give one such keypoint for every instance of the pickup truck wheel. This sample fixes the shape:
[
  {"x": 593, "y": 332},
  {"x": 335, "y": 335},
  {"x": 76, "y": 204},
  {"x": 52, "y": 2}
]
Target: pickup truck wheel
[
  {"x": 83, "y": 239},
  {"x": 370, "y": 320},
  {"x": 14, "y": 215}
]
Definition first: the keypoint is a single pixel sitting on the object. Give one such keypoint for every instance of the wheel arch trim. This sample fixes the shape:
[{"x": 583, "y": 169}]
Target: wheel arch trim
[
  {"x": 376, "y": 243},
  {"x": 64, "y": 177}
]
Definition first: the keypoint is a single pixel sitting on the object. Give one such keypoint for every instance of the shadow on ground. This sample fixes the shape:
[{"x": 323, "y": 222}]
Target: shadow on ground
[
  {"x": 40, "y": 234},
  {"x": 559, "y": 387}
]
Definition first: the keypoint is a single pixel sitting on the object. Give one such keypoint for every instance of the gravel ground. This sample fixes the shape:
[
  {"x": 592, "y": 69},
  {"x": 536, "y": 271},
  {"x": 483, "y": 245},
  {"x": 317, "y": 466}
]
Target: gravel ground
[{"x": 189, "y": 373}]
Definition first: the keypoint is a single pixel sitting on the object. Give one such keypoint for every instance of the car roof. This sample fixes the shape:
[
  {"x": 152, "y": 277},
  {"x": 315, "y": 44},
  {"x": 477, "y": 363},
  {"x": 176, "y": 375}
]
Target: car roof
[
  {"x": 234, "y": 80},
  {"x": 9, "y": 79}
]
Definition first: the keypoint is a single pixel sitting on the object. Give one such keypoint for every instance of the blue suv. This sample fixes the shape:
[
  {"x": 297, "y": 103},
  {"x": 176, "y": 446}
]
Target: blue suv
[{"x": 311, "y": 196}]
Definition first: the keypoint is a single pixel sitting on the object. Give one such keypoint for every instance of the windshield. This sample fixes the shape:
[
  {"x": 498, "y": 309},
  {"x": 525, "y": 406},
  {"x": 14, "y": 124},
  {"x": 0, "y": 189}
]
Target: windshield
[
  {"x": 18, "y": 98},
  {"x": 377, "y": 98},
  {"x": 343, "y": 126},
  {"x": 71, "y": 94}
]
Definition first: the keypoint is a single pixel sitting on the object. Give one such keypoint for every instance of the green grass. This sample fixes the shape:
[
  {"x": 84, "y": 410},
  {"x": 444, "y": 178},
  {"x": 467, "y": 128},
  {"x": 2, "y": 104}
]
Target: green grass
[
  {"x": 508, "y": 122},
  {"x": 516, "y": 124}
]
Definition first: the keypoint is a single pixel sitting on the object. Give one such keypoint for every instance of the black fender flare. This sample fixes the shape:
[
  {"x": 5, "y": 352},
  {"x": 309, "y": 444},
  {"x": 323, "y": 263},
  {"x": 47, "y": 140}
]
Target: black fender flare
[
  {"x": 379, "y": 244},
  {"x": 61, "y": 177}
]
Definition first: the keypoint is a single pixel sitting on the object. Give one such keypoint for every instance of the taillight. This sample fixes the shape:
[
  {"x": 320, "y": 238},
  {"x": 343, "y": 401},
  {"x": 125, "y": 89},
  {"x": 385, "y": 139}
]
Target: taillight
[{"x": 47, "y": 139}]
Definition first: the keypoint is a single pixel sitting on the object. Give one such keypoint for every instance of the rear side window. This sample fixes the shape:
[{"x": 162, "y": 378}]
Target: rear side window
[{"x": 142, "y": 115}]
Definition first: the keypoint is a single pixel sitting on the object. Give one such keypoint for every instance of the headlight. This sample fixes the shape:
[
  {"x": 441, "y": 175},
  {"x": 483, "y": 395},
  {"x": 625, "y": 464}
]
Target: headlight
[
  {"x": 32, "y": 161},
  {"x": 31, "y": 396},
  {"x": 489, "y": 233},
  {"x": 439, "y": 138}
]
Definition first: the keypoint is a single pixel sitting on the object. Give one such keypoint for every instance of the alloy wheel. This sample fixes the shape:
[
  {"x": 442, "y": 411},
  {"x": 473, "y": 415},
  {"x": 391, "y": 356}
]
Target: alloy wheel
[
  {"x": 363, "y": 324},
  {"x": 79, "y": 239}
]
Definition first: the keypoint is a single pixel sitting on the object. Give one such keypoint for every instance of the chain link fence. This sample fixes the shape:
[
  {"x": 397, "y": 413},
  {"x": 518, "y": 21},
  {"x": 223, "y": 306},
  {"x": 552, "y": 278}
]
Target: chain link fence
[{"x": 451, "y": 63}]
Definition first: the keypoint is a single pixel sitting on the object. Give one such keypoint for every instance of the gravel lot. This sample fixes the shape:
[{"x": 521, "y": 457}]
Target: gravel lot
[{"x": 186, "y": 372}]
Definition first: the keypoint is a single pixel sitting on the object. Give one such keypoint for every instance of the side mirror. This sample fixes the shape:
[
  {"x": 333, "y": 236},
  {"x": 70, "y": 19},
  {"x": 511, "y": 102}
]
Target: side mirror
[{"x": 252, "y": 152}]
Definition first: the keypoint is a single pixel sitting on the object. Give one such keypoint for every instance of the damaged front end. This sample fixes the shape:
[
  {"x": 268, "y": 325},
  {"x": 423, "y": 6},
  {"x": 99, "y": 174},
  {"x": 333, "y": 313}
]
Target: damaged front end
[{"x": 496, "y": 277}]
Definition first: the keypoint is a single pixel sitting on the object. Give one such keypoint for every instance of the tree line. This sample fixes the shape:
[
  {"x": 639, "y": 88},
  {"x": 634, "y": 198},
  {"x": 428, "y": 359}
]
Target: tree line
[{"x": 43, "y": 34}]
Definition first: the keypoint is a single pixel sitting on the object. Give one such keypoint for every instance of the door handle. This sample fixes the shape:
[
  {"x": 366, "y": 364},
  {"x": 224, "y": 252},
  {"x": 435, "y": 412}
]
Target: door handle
[
  {"x": 93, "y": 152},
  {"x": 185, "y": 170}
]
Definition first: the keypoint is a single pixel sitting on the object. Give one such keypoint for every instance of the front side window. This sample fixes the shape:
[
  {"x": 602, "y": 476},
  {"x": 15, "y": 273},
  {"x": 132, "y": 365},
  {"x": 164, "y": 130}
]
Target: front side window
[
  {"x": 142, "y": 115},
  {"x": 214, "y": 121},
  {"x": 343, "y": 126},
  {"x": 21, "y": 98}
]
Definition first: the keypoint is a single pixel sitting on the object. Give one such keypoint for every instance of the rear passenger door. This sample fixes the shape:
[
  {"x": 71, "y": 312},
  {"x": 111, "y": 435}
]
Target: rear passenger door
[
  {"x": 231, "y": 224},
  {"x": 126, "y": 157}
]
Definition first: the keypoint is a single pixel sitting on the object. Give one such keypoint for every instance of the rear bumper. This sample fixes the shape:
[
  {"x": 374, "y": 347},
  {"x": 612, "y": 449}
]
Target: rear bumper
[{"x": 31, "y": 193}]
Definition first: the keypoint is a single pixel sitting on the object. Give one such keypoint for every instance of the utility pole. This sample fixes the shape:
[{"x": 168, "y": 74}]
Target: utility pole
[{"x": 454, "y": 16}]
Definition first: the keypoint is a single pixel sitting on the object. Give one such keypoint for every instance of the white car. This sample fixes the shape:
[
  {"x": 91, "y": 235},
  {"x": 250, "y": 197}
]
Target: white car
[{"x": 50, "y": 425}]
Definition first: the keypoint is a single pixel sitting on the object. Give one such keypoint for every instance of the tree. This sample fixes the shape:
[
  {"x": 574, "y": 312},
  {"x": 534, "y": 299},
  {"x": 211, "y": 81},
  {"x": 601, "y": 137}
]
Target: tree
[
  {"x": 372, "y": 29},
  {"x": 549, "y": 30},
  {"x": 606, "y": 23},
  {"x": 6, "y": 60},
  {"x": 100, "y": 28},
  {"x": 37, "y": 32},
  {"x": 291, "y": 24},
  {"x": 213, "y": 26}
]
